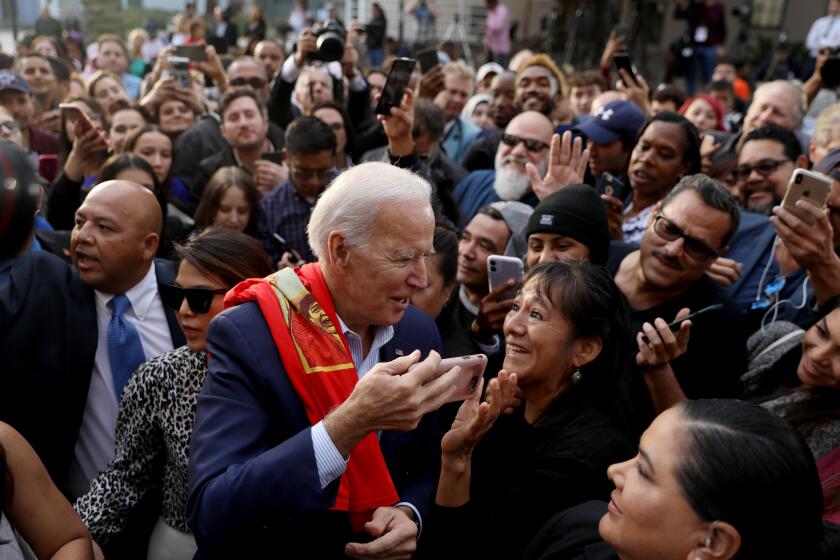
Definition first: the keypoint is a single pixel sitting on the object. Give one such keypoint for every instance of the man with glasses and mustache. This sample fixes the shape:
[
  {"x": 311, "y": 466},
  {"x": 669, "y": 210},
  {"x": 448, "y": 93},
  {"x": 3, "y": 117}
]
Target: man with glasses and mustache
[
  {"x": 663, "y": 276},
  {"x": 525, "y": 140}
]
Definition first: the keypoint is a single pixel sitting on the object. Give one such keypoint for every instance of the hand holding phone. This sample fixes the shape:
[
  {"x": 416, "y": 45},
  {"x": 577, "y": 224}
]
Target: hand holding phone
[
  {"x": 468, "y": 379},
  {"x": 662, "y": 343},
  {"x": 77, "y": 117},
  {"x": 500, "y": 269},
  {"x": 808, "y": 186},
  {"x": 622, "y": 62},
  {"x": 398, "y": 78}
]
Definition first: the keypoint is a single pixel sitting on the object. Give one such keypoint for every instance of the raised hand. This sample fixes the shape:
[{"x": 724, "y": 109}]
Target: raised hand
[
  {"x": 567, "y": 162},
  {"x": 663, "y": 345}
]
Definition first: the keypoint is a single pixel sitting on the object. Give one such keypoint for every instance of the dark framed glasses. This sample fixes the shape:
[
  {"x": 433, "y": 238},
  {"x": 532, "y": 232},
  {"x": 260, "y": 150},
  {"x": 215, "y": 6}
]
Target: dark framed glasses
[
  {"x": 533, "y": 146},
  {"x": 254, "y": 82},
  {"x": 694, "y": 248},
  {"x": 764, "y": 168},
  {"x": 199, "y": 299}
]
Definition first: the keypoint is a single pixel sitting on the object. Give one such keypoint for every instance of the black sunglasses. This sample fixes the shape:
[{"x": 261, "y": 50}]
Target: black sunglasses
[
  {"x": 199, "y": 299},
  {"x": 533, "y": 146},
  {"x": 255, "y": 82},
  {"x": 694, "y": 248},
  {"x": 765, "y": 168}
]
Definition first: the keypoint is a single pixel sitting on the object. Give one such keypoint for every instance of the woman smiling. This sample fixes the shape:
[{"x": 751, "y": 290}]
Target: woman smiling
[{"x": 564, "y": 338}]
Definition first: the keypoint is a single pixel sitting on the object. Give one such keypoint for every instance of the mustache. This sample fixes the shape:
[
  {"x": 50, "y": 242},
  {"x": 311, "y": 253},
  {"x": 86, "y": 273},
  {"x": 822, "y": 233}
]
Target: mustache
[
  {"x": 515, "y": 159},
  {"x": 668, "y": 259}
]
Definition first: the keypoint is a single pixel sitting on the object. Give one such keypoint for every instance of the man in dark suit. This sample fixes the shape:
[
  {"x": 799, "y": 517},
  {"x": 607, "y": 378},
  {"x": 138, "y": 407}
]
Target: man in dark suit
[
  {"x": 54, "y": 322},
  {"x": 265, "y": 473}
]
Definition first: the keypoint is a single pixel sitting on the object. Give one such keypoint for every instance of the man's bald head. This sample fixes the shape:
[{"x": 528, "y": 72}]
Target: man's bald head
[{"x": 116, "y": 236}]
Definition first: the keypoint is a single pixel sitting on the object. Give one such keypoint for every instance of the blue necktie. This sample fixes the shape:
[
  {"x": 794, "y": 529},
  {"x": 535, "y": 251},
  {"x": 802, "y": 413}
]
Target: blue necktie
[{"x": 125, "y": 351}]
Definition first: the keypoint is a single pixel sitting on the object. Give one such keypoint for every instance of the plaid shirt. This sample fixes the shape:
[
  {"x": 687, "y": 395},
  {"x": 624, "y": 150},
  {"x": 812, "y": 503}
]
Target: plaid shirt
[{"x": 286, "y": 213}]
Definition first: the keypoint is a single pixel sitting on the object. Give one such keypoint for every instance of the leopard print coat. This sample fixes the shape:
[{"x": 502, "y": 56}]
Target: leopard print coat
[{"x": 154, "y": 425}]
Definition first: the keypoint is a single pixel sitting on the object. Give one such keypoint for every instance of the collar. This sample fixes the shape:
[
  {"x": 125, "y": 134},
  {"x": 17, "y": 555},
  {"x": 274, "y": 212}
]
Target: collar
[
  {"x": 239, "y": 161},
  {"x": 465, "y": 301},
  {"x": 141, "y": 296},
  {"x": 382, "y": 335}
]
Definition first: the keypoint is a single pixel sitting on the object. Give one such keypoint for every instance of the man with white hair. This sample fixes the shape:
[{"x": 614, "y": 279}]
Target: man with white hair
[
  {"x": 311, "y": 368},
  {"x": 526, "y": 139}
]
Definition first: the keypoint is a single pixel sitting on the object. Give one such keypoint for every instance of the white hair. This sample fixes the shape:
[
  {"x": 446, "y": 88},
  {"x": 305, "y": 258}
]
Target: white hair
[
  {"x": 827, "y": 122},
  {"x": 795, "y": 90},
  {"x": 352, "y": 200}
]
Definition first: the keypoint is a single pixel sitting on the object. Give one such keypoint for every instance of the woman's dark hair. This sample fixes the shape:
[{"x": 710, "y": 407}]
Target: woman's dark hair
[
  {"x": 228, "y": 255},
  {"x": 445, "y": 242},
  {"x": 345, "y": 117},
  {"x": 743, "y": 465},
  {"x": 65, "y": 145},
  {"x": 692, "y": 138},
  {"x": 131, "y": 142},
  {"x": 116, "y": 164},
  {"x": 594, "y": 307},
  {"x": 7, "y": 485},
  {"x": 223, "y": 179}
]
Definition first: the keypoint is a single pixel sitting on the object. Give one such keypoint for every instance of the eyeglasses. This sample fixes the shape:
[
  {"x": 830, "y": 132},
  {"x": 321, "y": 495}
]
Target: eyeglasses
[
  {"x": 199, "y": 299},
  {"x": 304, "y": 174},
  {"x": 254, "y": 82},
  {"x": 694, "y": 248},
  {"x": 10, "y": 126},
  {"x": 533, "y": 146},
  {"x": 764, "y": 168}
]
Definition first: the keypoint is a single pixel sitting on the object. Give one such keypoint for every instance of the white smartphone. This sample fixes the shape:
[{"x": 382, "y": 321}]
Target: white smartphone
[
  {"x": 500, "y": 269},
  {"x": 806, "y": 185},
  {"x": 472, "y": 369}
]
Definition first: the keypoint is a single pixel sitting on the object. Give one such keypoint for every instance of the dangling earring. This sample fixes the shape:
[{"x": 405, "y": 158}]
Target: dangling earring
[{"x": 576, "y": 377}]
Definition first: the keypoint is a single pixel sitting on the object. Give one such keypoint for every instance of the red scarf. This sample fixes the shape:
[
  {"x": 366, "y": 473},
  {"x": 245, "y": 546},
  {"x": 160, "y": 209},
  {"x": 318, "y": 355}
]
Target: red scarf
[{"x": 300, "y": 314}]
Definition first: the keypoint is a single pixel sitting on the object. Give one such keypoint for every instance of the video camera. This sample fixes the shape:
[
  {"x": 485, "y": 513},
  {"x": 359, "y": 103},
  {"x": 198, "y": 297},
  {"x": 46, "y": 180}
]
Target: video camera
[{"x": 18, "y": 199}]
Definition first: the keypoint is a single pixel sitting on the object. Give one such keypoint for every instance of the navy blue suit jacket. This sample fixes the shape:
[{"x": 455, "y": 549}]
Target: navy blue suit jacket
[
  {"x": 254, "y": 486},
  {"x": 48, "y": 338}
]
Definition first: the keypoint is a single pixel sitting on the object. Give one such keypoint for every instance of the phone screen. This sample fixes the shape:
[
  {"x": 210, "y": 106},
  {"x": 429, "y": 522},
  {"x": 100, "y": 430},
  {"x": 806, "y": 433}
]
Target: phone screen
[
  {"x": 74, "y": 114},
  {"x": 179, "y": 70},
  {"x": 428, "y": 59},
  {"x": 398, "y": 79},
  {"x": 622, "y": 62},
  {"x": 195, "y": 53}
]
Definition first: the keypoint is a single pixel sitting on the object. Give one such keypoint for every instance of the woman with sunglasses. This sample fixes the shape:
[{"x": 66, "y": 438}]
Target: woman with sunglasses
[{"x": 158, "y": 407}]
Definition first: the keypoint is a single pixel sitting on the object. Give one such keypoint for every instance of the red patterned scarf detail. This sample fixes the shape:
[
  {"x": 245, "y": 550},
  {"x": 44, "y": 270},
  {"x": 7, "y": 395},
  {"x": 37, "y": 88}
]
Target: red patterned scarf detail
[{"x": 300, "y": 314}]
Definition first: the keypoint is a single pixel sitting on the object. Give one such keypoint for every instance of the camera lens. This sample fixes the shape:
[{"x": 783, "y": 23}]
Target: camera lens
[{"x": 798, "y": 179}]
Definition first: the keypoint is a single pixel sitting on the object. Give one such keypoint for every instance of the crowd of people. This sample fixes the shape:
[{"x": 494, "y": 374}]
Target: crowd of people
[{"x": 223, "y": 333}]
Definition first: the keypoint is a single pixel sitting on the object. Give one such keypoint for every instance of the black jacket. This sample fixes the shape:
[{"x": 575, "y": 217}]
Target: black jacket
[{"x": 48, "y": 339}]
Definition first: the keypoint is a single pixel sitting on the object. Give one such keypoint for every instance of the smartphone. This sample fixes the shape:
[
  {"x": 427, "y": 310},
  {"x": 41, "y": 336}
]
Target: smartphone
[
  {"x": 806, "y": 185},
  {"x": 179, "y": 70},
  {"x": 398, "y": 78},
  {"x": 74, "y": 114},
  {"x": 500, "y": 269},
  {"x": 48, "y": 166},
  {"x": 622, "y": 62},
  {"x": 428, "y": 59},
  {"x": 472, "y": 369},
  {"x": 675, "y": 325},
  {"x": 273, "y": 157},
  {"x": 195, "y": 53}
]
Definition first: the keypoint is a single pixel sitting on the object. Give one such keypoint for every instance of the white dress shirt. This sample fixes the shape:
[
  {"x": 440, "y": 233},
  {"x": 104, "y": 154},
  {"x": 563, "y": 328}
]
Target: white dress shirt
[
  {"x": 824, "y": 33},
  {"x": 95, "y": 445}
]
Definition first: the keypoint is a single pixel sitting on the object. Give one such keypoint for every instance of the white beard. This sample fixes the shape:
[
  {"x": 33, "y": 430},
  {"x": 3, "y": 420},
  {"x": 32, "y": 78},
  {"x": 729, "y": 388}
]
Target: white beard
[{"x": 511, "y": 184}]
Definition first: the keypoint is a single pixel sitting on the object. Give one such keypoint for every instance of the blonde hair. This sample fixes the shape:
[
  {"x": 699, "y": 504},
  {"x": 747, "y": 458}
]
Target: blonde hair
[
  {"x": 459, "y": 69},
  {"x": 827, "y": 122}
]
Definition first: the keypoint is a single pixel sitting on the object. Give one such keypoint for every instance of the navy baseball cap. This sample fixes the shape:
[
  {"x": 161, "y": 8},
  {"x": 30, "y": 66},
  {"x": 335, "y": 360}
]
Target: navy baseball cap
[
  {"x": 8, "y": 80},
  {"x": 619, "y": 119}
]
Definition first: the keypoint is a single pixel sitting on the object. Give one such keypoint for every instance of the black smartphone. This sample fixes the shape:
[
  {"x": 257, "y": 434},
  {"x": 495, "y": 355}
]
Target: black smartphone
[
  {"x": 195, "y": 53},
  {"x": 273, "y": 157},
  {"x": 428, "y": 59},
  {"x": 398, "y": 78},
  {"x": 675, "y": 325},
  {"x": 622, "y": 62}
]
